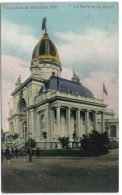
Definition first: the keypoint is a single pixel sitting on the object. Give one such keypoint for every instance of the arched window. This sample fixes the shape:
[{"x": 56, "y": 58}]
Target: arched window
[
  {"x": 42, "y": 122},
  {"x": 22, "y": 106},
  {"x": 52, "y": 49},
  {"x": 42, "y": 48},
  {"x": 25, "y": 131}
]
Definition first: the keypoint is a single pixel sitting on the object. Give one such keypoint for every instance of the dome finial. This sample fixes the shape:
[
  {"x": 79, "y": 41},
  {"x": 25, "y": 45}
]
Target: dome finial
[{"x": 44, "y": 24}]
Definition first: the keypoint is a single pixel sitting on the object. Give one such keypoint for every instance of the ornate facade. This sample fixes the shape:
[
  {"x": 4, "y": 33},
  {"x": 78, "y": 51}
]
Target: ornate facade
[{"x": 47, "y": 103}]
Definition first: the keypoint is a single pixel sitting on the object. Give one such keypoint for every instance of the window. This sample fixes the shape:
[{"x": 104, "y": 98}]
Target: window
[
  {"x": 63, "y": 113},
  {"x": 91, "y": 116},
  {"x": 42, "y": 121},
  {"x": 52, "y": 49},
  {"x": 25, "y": 131},
  {"x": 113, "y": 131},
  {"x": 83, "y": 115},
  {"x": 42, "y": 48}
]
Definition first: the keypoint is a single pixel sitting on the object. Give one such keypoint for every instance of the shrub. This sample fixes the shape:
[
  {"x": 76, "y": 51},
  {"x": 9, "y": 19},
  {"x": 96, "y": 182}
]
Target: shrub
[
  {"x": 95, "y": 143},
  {"x": 64, "y": 141},
  {"x": 30, "y": 142}
]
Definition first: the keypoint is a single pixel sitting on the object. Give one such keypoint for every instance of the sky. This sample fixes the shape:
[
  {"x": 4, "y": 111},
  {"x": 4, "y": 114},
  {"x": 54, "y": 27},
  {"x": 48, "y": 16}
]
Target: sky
[{"x": 85, "y": 34}]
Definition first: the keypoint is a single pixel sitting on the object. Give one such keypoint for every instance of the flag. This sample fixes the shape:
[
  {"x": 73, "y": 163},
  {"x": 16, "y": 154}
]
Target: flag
[{"x": 104, "y": 89}]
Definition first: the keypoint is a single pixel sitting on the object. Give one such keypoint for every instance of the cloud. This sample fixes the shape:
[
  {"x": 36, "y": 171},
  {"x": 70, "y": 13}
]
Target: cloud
[
  {"x": 12, "y": 67},
  {"x": 7, "y": 88},
  {"x": 95, "y": 84},
  {"x": 17, "y": 38},
  {"x": 95, "y": 50}
]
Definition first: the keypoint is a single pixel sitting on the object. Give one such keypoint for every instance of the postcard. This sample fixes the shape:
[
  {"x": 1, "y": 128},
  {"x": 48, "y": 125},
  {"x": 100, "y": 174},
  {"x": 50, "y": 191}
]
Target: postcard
[{"x": 60, "y": 120}]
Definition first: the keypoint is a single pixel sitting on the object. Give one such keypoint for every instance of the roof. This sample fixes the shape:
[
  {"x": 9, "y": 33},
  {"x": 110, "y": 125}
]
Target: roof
[{"x": 67, "y": 86}]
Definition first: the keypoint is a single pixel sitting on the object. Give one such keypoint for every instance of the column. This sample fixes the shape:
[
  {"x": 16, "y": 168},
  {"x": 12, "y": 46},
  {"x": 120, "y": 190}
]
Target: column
[
  {"x": 47, "y": 117},
  {"x": 87, "y": 121},
  {"x": 102, "y": 123},
  {"x": 95, "y": 120},
  {"x": 68, "y": 122},
  {"x": 28, "y": 125},
  {"x": 33, "y": 125},
  {"x": 58, "y": 120},
  {"x": 78, "y": 123},
  {"x": 17, "y": 126},
  {"x": 51, "y": 122},
  {"x": 38, "y": 126}
]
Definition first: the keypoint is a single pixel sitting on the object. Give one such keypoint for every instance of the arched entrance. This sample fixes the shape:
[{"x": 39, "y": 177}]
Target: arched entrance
[{"x": 22, "y": 118}]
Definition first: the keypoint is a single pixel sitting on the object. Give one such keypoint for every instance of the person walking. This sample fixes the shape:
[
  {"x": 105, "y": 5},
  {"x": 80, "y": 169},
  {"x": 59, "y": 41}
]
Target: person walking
[
  {"x": 30, "y": 154},
  {"x": 7, "y": 153},
  {"x": 16, "y": 152},
  {"x": 12, "y": 152},
  {"x": 37, "y": 152}
]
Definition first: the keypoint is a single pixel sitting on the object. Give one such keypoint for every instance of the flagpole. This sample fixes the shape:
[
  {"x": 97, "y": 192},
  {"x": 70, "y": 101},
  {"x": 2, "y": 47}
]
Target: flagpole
[{"x": 103, "y": 92}]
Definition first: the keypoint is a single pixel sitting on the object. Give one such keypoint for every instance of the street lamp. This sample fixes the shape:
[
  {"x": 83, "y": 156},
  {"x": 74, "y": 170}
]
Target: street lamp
[{"x": 45, "y": 136}]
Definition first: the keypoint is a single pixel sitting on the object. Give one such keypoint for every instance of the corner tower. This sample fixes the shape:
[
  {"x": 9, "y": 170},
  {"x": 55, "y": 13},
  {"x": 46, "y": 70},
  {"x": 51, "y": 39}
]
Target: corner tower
[{"x": 45, "y": 59}]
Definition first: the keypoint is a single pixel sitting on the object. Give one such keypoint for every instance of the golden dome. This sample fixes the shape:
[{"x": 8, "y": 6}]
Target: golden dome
[{"x": 46, "y": 52}]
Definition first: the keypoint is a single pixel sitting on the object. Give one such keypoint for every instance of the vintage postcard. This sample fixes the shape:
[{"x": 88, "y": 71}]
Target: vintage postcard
[{"x": 60, "y": 120}]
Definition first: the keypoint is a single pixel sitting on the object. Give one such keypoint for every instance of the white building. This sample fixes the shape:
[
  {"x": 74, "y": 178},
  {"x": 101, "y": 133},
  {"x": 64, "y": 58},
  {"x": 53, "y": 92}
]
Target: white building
[{"x": 47, "y": 103}]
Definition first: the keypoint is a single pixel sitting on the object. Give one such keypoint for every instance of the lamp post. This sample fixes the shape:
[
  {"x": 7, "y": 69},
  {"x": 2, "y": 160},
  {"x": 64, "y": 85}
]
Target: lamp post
[
  {"x": 45, "y": 136},
  {"x": 74, "y": 136}
]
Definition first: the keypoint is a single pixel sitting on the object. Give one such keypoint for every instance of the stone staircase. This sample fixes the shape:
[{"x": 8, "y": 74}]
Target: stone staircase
[{"x": 19, "y": 143}]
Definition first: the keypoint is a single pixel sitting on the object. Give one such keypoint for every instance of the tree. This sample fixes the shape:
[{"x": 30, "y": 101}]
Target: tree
[
  {"x": 30, "y": 142},
  {"x": 64, "y": 141},
  {"x": 45, "y": 136},
  {"x": 95, "y": 143}
]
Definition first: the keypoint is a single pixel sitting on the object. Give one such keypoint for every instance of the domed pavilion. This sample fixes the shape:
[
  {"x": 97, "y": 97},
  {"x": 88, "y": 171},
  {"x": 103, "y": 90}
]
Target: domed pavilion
[{"x": 47, "y": 103}]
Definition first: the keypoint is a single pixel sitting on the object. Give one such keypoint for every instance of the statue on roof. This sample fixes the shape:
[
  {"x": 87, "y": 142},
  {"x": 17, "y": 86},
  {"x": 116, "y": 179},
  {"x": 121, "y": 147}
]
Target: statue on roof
[
  {"x": 18, "y": 82},
  {"x": 75, "y": 77},
  {"x": 44, "y": 24},
  {"x": 19, "y": 79}
]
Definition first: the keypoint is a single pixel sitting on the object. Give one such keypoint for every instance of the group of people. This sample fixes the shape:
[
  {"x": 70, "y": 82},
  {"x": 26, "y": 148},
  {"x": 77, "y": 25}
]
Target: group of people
[{"x": 10, "y": 153}]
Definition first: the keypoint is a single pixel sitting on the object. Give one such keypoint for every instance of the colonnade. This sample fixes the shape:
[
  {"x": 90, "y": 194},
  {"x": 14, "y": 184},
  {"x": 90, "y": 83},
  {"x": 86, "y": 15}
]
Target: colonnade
[{"x": 51, "y": 119}]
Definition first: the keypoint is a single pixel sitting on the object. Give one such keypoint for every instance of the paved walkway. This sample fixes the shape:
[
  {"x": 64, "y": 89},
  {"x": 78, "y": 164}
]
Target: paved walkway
[{"x": 61, "y": 174}]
